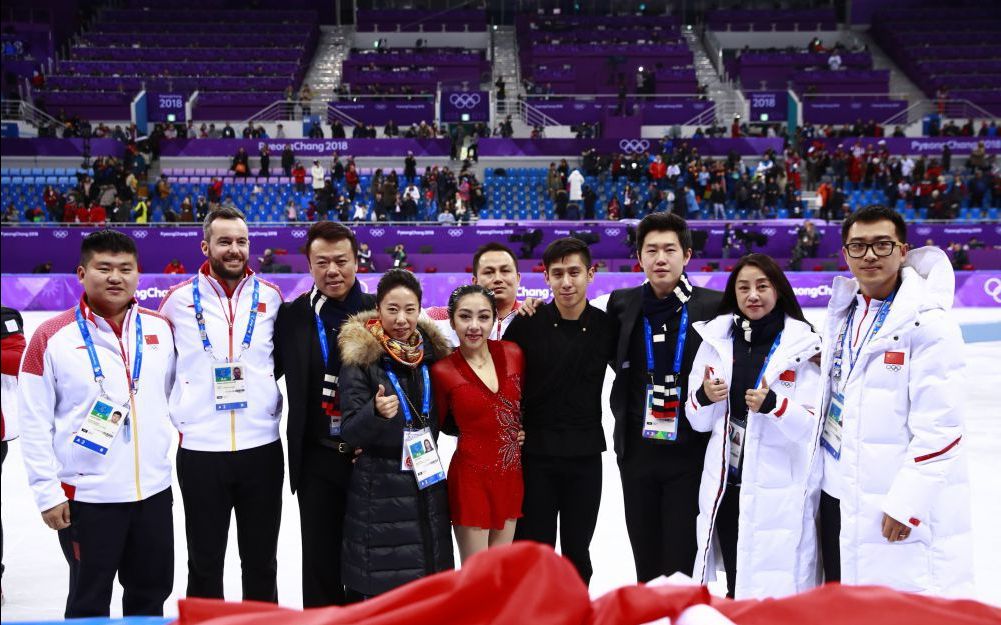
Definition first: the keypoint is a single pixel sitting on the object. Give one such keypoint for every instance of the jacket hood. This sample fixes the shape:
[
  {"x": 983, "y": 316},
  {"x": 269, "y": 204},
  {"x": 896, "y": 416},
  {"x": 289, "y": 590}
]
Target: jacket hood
[
  {"x": 928, "y": 283},
  {"x": 361, "y": 349}
]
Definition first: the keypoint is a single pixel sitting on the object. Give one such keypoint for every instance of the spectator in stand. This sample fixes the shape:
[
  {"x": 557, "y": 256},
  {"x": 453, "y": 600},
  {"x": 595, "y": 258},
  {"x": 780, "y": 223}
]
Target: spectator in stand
[
  {"x": 351, "y": 181},
  {"x": 316, "y": 131},
  {"x": 337, "y": 130},
  {"x": 834, "y": 61},
  {"x": 228, "y": 132},
  {"x": 163, "y": 191},
  {"x": 317, "y": 172},
  {"x": 391, "y": 130},
  {"x": 288, "y": 160},
  {"x": 140, "y": 212},
  {"x": 174, "y": 267},
  {"x": 265, "y": 156},
  {"x": 299, "y": 177},
  {"x": 410, "y": 167},
  {"x": 96, "y": 214},
  {"x": 201, "y": 209},
  {"x": 215, "y": 192},
  {"x": 11, "y": 216},
  {"x": 445, "y": 216},
  {"x": 228, "y": 202},
  {"x": 337, "y": 169},
  {"x": 291, "y": 212},
  {"x": 613, "y": 211},
  {"x": 306, "y": 100},
  {"x": 187, "y": 210},
  {"x": 50, "y": 197},
  {"x": 717, "y": 198},
  {"x": 240, "y": 164}
]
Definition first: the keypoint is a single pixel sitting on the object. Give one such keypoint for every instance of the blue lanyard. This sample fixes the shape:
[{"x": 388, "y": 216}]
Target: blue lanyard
[
  {"x": 405, "y": 403},
  {"x": 679, "y": 348},
  {"x": 95, "y": 363},
  {"x": 771, "y": 352},
  {"x": 853, "y": 355},
  {"x": 200, "y": 316},
  {"x": 324, "y": 347}
]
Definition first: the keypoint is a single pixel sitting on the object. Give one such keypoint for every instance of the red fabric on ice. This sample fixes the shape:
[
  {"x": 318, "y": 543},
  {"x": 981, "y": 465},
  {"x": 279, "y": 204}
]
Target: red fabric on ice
[
  {"x": 521, "y": 584},
  {"x": 528, "y": 584}
]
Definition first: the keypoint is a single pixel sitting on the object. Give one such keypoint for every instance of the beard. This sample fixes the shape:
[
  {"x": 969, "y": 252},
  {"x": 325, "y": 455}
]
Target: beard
[{"x": 219, "y": 268}]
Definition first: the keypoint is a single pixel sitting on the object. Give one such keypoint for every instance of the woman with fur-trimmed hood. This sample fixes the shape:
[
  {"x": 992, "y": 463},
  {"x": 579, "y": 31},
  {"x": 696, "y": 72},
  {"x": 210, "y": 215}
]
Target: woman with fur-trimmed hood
[{"x": 394, "y": 532}]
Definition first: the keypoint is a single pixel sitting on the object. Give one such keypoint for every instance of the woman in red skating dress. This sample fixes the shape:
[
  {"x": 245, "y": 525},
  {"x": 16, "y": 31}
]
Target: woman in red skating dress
[{"x": 479, "y": 388}]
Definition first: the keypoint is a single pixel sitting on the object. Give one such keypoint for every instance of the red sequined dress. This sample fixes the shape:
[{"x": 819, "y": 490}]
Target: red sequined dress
[{"x": 485, "y": 486}]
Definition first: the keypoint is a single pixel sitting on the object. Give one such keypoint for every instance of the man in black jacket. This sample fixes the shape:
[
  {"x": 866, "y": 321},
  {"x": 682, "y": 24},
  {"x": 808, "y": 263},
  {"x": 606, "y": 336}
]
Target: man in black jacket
[
  {"x": 660, "y": 457},
  {"x": 306, "y": 331},
  {"x": 568, "y": 345}
]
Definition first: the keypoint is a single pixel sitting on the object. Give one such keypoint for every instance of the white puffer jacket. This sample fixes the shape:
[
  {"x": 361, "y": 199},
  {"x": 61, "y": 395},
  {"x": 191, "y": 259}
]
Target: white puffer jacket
[
  {"x": 902, "y": 450},
  {"x": 780, "y": 482}
]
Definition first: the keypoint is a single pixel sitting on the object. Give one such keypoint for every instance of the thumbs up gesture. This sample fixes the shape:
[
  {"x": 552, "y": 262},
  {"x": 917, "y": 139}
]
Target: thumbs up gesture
[
  {"x": 386, "y": 405},
  {"x": 754, "y": 397},
  {"x": 716, "y": 389}
]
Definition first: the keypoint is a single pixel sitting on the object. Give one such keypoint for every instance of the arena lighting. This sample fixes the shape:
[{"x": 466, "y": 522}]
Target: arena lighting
[
  {"x": 764, "y": 117},
  {"x": 465, "y": 117}
]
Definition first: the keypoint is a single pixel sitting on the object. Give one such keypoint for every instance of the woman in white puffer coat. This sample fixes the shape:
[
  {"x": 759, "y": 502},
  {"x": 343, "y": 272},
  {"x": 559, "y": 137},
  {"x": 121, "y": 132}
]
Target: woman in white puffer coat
[{"x": 753, "y": 385}]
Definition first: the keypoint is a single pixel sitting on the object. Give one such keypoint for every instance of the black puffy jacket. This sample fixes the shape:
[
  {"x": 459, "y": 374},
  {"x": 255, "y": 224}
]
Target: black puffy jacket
[{"x": 393, "y": 532}]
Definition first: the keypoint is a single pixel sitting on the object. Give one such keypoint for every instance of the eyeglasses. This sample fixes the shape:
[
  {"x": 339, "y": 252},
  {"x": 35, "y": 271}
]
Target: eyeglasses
[{"x": 858, "y": 249}]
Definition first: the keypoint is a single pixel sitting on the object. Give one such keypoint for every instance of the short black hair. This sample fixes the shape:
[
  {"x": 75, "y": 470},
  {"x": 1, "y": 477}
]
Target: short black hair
[
  {"x": 492, "y": 247},
  {"x": 223, "y": 212},
  {"x": 663, "y": 221},
  {"x": 567, "y": 246},
  {"x": 394, "y": 278},
  {"x": 107, "y": 240},
  {"x": 873, "y": 213},
  {"x": 330, "y": 231},
  {"x": 470, "y": 289}
]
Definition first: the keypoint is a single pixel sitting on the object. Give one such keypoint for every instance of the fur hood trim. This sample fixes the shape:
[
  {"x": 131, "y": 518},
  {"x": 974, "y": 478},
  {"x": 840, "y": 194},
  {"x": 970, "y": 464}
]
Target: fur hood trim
[{"x": 361, "y": 349}]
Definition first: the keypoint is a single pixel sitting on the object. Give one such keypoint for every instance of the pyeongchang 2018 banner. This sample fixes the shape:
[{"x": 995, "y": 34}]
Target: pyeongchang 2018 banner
[{"x": 813, "y": 290}]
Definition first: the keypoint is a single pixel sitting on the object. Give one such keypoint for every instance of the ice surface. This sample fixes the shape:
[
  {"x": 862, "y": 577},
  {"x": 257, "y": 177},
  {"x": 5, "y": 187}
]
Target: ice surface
[{"x": 36, "y": 577}]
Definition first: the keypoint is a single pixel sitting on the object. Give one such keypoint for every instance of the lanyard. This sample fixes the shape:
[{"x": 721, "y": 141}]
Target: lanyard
[
  {"x": 679, "y": 348},
  {"x": 853, "y": 355},
  {"x": 200, "y": 316},
  {"x": 324, "y": 347},
  {"x": 95, "y": 364},
  {"x": 405, "y": 404},
  {"x": 771, "y": 352}
]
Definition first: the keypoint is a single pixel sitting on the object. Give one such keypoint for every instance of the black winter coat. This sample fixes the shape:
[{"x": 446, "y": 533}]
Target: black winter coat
[{"x": 393, "y": 532}]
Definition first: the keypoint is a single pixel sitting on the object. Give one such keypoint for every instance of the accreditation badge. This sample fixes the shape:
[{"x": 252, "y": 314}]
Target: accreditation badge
[
  {"x": 229, "y": 383},
  {"x": 660, "y": 422},
  {"x": 831, "y": 437},
  {"x": 737, "y": 437},
  {"x": 101, "y": 425},
  {"x": 423, "y": 455}
]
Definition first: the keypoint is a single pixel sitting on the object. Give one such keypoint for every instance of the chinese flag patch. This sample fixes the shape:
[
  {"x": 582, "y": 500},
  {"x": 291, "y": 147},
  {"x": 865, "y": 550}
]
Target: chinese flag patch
[
  {"x": 262, "y": 307},
  {"x": 893, "y": 358},
  {"x": 788, "y": 376},
  {"x": 152, "y": 339}
]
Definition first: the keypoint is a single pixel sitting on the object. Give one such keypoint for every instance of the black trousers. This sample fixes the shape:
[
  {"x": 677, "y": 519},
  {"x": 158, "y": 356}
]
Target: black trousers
[
  {"x": 661, "y": 502},
  {"x": 830, "y": 536},
  {"x": 213, "y": 485},
  {"x": 568, "y": 488},
  {"x": 133, "y": 540},
  {"x": 727, "y": 517},
  {"x": 322, "y": 503}
]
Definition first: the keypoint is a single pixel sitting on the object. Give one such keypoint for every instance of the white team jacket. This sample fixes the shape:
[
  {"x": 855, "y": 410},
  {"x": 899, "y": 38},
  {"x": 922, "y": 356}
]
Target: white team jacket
[
  {"x": 902, "y": 451},
  {"x": 780, "y": 482},
  {"x": 56, "y": 390},
  {"x": 192, "y": 400}
]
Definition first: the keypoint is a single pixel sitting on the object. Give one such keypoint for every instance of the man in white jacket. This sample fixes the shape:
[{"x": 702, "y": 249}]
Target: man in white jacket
[
  {"x": 226, "y": 405},
  {"x": 895, "y": 506},
  {"x": 95, "y": 435}
]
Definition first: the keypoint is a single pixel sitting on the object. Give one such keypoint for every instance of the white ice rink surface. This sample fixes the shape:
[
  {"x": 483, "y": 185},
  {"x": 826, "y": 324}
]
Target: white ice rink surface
[{"x": 35, "y": 580}]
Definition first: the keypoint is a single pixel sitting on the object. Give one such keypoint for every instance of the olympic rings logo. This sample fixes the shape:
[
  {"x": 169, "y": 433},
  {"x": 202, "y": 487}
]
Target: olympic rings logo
[
  {"x": 377, "y": 232},
  {"x": 924, "y": 230},
  {"x": 768, "y": 231},
  {"x": 634, "y": 145},
  {"x": 785, "y": 383},
  {"x": 298, "y": 234},
  {"x": 992, "y": 287},
  {"x": 60, "y": 234},
  {"x": 455, "y": 232},
  {"x": 139, "y": 234},
  {"x": 464, "y": 100},
  {"x": 893, "y": 368},
  {"x": 612, "y": 232}
]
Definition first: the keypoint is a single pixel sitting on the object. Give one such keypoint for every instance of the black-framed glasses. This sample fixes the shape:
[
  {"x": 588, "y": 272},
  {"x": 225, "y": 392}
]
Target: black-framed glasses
[{"x": 857, "y": 249}]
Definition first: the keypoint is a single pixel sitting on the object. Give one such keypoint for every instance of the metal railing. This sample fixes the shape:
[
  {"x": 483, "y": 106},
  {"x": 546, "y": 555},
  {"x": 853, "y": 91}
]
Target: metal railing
[{"x": 28, "y": 112}]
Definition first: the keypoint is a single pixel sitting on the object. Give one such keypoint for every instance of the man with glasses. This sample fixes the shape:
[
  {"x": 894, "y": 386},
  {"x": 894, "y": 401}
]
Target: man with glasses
[{"x": 894, "y": 506}]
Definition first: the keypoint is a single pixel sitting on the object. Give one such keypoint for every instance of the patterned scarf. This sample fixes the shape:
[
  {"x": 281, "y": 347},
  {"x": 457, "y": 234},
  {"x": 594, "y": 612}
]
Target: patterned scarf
[
  {"x": 758, "y": 330},
  {"x": 333, "y": 314},
  {"x": 658, "y": 312},
  {"x": 409, "y": 353}
]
